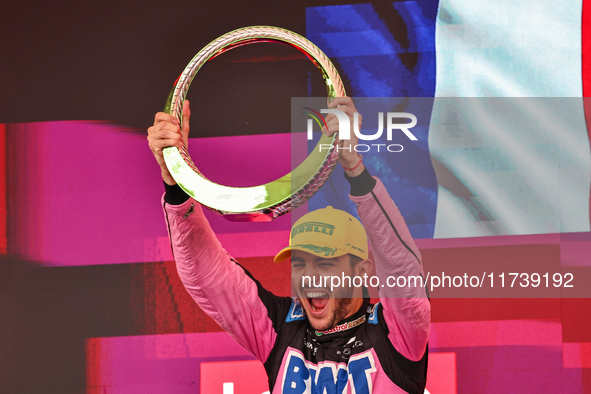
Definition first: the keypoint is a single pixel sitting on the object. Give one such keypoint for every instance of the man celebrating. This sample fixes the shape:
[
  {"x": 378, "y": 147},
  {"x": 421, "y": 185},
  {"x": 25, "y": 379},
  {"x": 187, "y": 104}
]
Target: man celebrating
[{"x": 326, "y": 340}]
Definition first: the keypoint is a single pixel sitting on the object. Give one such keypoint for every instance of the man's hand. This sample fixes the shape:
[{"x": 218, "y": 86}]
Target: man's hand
[
  {"x": 166, "y": 132},
  {"x": 350, "y": 159}
]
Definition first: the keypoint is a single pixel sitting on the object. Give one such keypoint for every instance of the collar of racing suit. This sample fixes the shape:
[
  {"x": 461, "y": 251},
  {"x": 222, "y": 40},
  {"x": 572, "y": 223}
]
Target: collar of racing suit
[{"x": 346, "y": 327}]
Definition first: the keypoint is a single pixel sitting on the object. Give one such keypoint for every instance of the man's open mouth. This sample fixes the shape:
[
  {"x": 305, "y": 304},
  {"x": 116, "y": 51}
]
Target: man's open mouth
[{"x": 317, "y": 299}]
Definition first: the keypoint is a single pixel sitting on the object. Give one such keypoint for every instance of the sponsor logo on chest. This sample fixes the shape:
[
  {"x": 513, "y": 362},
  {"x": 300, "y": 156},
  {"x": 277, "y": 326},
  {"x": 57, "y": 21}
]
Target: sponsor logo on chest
[{"x": 303, "y": 377}]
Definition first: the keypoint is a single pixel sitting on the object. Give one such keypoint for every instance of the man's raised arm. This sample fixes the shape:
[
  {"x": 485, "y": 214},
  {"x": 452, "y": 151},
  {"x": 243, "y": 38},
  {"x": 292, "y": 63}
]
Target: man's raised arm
[
  {"x": 407, "y": 310},
  {"x": 221, "y": 287}
]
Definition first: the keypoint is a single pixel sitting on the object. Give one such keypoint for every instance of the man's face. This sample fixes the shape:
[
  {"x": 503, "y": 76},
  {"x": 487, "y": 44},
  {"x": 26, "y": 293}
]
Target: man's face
[{"x": 324, "y": 308}]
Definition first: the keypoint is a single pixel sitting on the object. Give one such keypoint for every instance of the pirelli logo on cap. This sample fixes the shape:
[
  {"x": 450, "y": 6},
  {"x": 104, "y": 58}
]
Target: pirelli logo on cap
[{"x": 313, "y": 227}]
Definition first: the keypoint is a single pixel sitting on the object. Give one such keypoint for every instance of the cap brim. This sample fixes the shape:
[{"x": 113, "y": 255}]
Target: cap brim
[{"x": 285, "y": 253}]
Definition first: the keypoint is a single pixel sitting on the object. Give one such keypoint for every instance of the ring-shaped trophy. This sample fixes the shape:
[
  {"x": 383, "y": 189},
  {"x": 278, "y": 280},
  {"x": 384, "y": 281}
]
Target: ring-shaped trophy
[{"x": 268, "y": 201}]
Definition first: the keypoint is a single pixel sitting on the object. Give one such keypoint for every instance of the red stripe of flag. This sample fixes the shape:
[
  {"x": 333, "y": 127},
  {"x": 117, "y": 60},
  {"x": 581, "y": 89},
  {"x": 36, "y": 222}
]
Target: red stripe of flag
[
  {"x": 3, "y": 240},
  {"x": 585, "y": 67}
]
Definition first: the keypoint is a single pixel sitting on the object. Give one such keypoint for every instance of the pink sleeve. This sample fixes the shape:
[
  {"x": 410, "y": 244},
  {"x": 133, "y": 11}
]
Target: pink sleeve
[
  {"x": 407, "y": 310},
  {"x": 218, "y": 284}
]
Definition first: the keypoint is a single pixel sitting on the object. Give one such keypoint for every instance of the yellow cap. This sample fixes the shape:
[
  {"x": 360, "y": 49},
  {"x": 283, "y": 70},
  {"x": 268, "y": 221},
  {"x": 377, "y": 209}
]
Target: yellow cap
[{"x": 327, "y": 232}]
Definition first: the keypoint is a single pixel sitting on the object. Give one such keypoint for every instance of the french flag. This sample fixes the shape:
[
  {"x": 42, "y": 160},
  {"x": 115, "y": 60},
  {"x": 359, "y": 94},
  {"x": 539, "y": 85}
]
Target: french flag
[{"x": 507, "y": 148}]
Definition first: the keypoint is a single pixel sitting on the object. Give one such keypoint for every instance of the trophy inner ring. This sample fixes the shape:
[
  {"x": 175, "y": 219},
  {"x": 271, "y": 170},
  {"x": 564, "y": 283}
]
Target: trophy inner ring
[{"x": 268, "y": 201}]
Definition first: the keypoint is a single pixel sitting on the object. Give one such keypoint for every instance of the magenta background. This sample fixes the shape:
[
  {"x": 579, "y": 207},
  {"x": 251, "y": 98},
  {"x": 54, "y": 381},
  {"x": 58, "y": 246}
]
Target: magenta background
[{"x": 85, "y": 193}]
